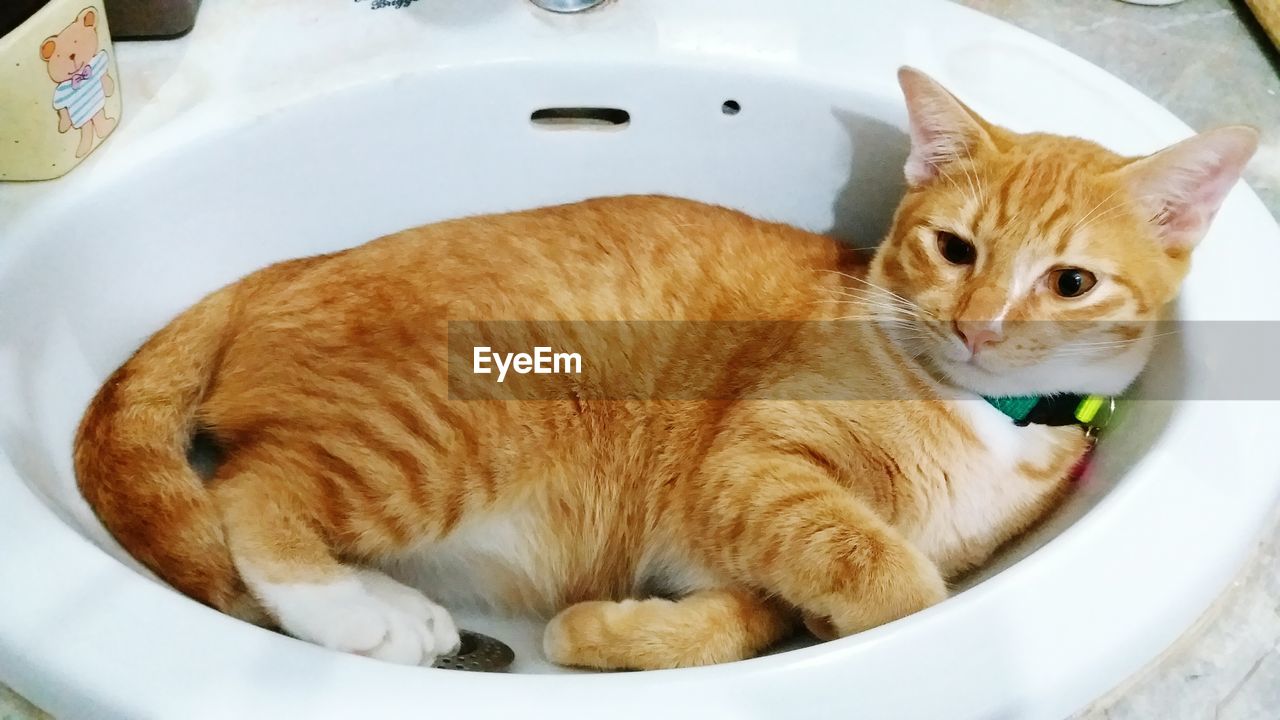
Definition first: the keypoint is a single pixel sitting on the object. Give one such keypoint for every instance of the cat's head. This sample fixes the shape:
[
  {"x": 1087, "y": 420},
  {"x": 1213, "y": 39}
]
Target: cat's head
[{"x": 1037, "y": 263}]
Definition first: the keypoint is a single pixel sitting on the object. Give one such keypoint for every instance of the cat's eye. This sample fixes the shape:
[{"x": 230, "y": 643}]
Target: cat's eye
[
  {"x": 956, "y": 249},
  {"x": 1071, "y": 282}
]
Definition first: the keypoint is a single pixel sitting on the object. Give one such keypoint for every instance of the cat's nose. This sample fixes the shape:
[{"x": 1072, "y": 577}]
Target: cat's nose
[{"x": 977, "y": 334}]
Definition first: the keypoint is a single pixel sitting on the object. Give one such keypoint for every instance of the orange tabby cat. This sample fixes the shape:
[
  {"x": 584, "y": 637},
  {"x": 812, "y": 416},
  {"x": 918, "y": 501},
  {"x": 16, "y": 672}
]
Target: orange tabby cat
[{"x": 837, "y": 472}]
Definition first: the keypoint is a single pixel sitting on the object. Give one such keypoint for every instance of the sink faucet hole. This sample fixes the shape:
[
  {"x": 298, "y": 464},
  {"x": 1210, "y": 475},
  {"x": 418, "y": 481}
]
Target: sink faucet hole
[{"x": 580, "y": 117}]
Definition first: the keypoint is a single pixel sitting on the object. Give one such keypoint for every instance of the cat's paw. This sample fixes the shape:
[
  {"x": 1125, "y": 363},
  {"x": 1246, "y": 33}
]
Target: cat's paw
[
  {"x": 433, "y": 630},
  {"x": 366, "y": 614},
  {"x": 572, "y": 635},
  {"x": 703, "y": 628},
  {"x": 907, "y": 583}
]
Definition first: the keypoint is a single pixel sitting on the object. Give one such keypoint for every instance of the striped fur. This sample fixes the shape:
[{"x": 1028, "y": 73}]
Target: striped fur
[{"x": 347, "y": 462}]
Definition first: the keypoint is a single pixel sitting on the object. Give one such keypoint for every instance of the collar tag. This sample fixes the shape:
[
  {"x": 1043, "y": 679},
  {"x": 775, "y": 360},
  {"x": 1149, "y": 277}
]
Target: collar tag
[{"x": 1095, "y": 413}]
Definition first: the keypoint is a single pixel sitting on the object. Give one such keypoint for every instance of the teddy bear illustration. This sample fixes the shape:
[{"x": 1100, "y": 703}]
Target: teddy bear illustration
[{"x": 80, "y": 69}]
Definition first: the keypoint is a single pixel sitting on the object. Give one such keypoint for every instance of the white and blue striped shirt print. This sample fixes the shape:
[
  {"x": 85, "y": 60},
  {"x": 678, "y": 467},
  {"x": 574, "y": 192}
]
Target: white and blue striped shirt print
[{"x": 84, "y": 96}]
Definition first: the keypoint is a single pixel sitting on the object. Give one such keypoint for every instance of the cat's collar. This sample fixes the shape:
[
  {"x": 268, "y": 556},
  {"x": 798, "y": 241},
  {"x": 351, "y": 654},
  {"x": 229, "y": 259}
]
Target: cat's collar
[{"x": 1091, "y": 412}]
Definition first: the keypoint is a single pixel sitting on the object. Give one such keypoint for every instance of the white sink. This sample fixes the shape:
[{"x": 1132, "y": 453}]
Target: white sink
[{"x": 266, "y": 139}]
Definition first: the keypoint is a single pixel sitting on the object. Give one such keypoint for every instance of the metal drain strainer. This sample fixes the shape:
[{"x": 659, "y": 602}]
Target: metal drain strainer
[{"x": 478, "y": 653}]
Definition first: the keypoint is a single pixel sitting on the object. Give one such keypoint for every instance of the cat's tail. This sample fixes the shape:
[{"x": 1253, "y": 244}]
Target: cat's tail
[{"x": 131, "y": 458}]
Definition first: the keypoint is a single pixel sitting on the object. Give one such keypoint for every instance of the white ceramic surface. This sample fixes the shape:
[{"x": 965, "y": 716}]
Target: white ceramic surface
[{"x": 262, "y": 142}]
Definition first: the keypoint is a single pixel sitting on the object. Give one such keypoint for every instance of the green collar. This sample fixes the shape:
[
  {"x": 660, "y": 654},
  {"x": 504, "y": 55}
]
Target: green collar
[{"x": 1091, "y": 411}]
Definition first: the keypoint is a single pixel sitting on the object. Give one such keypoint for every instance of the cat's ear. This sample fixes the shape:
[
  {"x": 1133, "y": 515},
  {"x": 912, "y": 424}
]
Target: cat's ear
[
  {"x": 1181, "y": 187},
  {"x": 942, "y": 128}
]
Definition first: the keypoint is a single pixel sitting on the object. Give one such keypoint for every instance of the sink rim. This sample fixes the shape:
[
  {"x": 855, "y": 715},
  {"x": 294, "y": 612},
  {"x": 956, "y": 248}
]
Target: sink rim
[{"x": 238, "y": 647}]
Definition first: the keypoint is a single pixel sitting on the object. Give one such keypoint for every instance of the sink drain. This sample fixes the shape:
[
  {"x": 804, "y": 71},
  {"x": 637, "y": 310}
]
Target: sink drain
[
  {"x": 478, "y": 653},
  {"x": 566, "y": 6}
]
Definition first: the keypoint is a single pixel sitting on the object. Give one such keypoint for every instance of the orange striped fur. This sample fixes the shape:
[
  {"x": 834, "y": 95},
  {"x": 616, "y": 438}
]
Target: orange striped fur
[{"x": 653, "y": 532}]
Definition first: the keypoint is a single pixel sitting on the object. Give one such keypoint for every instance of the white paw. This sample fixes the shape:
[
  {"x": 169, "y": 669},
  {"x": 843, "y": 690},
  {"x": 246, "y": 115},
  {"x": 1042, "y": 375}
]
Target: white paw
[
  {"x": 366, "y": 613},
  {"x": 432, "y": 623}
]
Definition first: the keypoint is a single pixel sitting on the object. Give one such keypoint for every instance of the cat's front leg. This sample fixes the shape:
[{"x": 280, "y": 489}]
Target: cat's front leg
[{"x": 780, "y": 523}]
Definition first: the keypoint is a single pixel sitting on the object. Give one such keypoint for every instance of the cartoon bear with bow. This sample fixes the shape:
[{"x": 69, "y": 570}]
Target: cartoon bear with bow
[{"x": 80, "y": 69}]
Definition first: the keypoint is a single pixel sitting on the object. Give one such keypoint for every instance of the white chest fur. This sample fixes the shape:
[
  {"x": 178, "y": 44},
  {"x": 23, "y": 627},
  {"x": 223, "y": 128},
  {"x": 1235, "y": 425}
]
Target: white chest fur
[{"x": 985, "y": 495}]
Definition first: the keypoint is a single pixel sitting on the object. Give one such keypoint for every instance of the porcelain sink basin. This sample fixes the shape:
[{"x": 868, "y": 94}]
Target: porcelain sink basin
[{"x": 259, "y": 167}]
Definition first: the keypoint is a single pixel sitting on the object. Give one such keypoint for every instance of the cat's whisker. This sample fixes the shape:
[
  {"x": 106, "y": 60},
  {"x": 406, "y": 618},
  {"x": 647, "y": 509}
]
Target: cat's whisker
[
  {"x": 1109, "y": 213},
  {"x": 941, "y": 162},
  {"x": 881, "y": 288},
  {"x": 881, "y": 304},
  {"x": 1076, "y": 226},
  {"x": 876, "y": 318},
  {"x": 877, "y": 302},
  {"x": 1121, "y": 341},
  {"x": 1127, "y": 204},
  {"x": 972, "y": 184},
  {"x": 980, "y": 191},
  {"x": 873, "y": 287},
  {"x": 864, "y": 292},
  {"x": 858, "y": 294},
  {"x": 953, "y": 158},
  {"x": 1089, "y": 349},
  {"x": 952, "y": 181}
]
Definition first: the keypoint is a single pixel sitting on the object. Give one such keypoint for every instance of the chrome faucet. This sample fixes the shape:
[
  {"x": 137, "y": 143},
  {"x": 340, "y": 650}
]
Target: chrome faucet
[{"x": 566, "y": 6}]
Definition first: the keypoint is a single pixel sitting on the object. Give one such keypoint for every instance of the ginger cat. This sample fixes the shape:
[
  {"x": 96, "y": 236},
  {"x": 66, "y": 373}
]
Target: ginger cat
[{"x": 346, "y": 459}]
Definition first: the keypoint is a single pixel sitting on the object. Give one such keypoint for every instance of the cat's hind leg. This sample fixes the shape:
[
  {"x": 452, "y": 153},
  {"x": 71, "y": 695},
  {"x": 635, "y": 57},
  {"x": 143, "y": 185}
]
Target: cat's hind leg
[
  {"x": 290, "y": 569},
  {"x": 706, "y": 627}
]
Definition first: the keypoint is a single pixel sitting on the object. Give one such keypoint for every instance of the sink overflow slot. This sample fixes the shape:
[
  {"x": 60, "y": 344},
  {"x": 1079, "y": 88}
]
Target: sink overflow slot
[{"x": 580, "y": 117}]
